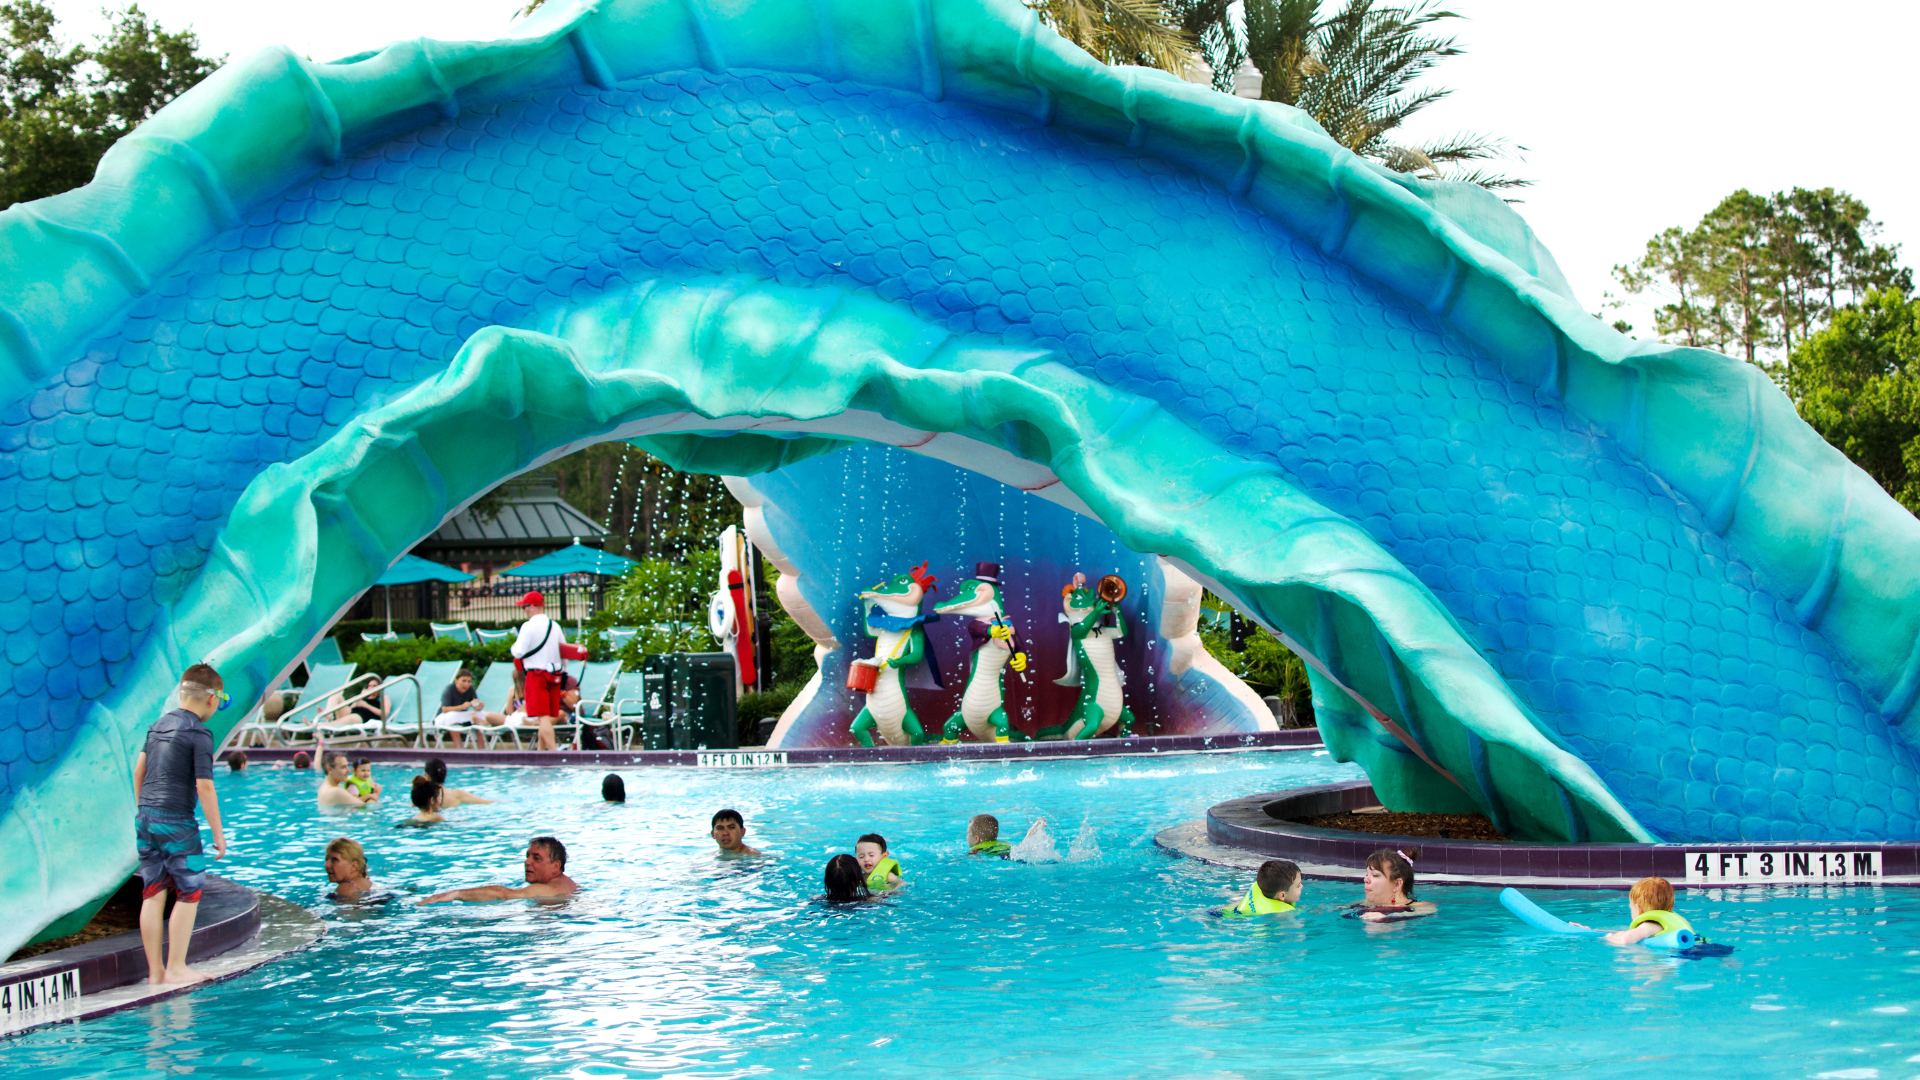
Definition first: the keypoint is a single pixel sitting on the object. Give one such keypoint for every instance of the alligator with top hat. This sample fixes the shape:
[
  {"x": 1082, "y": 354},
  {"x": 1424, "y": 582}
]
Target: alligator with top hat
[{"x": 996, "y": 647}]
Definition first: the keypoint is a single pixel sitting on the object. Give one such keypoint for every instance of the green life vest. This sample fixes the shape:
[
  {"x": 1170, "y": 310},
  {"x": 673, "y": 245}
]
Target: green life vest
[
  {"x": 991, "y": 847},
  {"x": 362, "y": 788},
  {"x": 1258, "y": 903},
  {"x": 1667, "y": 921},
  {"x": 877, "y": 878}
]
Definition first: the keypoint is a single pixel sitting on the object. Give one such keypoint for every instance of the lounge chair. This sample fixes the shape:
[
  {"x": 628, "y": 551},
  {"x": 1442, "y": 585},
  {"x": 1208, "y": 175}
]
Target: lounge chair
[
  {"x": 416, "y": 700},
  {"x": 596, "y": 683},
  {"x": 325, "y": 651},
  {"x": 487, "y": 636},
  {"x": 458, "y": 631},
  {"x": 493, "y": 690},
  {"x": 323, "y": 682}
]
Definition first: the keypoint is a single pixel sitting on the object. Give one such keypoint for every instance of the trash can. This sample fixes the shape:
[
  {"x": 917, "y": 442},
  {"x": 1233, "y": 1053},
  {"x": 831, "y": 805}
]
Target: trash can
[{"x": 689, "y": 702}]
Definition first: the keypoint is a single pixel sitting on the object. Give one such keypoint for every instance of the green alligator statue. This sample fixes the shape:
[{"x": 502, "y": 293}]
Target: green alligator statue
[
  {"x": 995, "y": 649},
  {"x": 901, "y": 654},
  {"x": 1090, "y": 664}
]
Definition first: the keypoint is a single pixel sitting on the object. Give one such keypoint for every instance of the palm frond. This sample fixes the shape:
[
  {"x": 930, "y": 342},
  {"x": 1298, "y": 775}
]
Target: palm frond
[{"x": 1122, "y": 31}]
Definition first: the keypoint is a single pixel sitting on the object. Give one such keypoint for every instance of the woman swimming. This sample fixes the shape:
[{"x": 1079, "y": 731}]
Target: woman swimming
[{"x": 1389, "y": 885}]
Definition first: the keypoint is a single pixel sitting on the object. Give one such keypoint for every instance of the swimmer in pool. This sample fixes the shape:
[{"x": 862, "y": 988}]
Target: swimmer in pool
[
  {"x": 1276, "y": 888},
  {"x": 728, "y": 828},
  {"x": 436, "y": 771},
  {"x": 347, "y": 870},
  {"x": 1389, "y": 885},
  {"x": 983, "y": 836},
  {"x": 362, "y": 781},
  {"x": 882, "y": 870},
  {"x": 546, "y": 873},
  {"x": 334, "y": 790},
  {"x": 846, "y": 884},
  {"x": 1650, "y": 913},
  {"x": 429, "y": 799}
]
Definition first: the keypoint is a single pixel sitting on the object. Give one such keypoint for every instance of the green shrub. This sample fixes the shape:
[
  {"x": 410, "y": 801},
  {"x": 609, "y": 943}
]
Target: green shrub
[
  {"x": 389, "y": 658},
  {"x": 754, "y": 708}
]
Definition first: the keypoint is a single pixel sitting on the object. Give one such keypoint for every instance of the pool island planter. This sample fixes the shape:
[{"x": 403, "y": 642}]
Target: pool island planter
[
  {"x": 237, "y": 930},
  {"x": 1247, "y": 830}
]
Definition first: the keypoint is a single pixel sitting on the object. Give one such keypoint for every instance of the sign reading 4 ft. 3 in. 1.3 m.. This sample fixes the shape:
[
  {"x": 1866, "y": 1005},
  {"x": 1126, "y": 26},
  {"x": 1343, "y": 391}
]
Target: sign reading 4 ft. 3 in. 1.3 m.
[{"x": 1780, "y": 867}]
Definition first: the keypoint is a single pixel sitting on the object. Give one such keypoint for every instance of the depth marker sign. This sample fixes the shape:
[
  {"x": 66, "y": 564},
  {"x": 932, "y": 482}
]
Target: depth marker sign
[{"x": 1781, "y": 867}]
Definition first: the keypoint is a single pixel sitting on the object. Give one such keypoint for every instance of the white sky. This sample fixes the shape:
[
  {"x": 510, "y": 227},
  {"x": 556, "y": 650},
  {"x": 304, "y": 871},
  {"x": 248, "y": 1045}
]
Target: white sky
[{"x": 1637, "y": 114}]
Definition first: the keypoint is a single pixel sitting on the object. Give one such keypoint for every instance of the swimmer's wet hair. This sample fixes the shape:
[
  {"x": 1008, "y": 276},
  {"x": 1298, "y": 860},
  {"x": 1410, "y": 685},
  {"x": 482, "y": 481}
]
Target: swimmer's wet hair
[
  {"x": 301, "y": 760},
  {"x": 436, "y": 770},
  {"x": 728, "y": 815},
  {"x": 351, "y": 851},
  {"x": 1276, "y": 876},
  {"x": 237, "y": 760},
  {"x": 613, "y": 789},
  {"x": 1397, "y": 865},
  {"x": 983, "y": 827},
  {"x": 872, "y": 838},
  {"x": 1652, "y": 894},
  {"x": 424, "y": 792},
  {"x": 556, "y": 851},
  {"x": 845, "y": 882}
]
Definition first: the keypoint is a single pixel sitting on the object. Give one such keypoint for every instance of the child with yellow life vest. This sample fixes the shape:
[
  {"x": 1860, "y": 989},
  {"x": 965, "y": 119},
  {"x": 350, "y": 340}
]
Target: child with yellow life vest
[
  {"x": 882, "y": 870},
  {"x": 1276, "y": 888},
  {"x": 1651, "y": 903}
]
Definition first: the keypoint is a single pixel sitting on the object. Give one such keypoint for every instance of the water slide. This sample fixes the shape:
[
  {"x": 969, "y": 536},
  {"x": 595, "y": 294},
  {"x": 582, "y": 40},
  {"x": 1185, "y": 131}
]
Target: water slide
[{"x": 1596, "y": 588}]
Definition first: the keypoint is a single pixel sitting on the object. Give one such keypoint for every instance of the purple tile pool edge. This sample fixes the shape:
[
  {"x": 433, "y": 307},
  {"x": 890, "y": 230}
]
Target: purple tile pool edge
[
  {"x": 1293, "y": 739},
  {"x": 1243, "y": 823},
  {"x": 229, "y": 916}
]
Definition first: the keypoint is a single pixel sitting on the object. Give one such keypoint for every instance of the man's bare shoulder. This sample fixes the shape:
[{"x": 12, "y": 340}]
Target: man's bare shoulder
[{"x": 561, "y": 885}]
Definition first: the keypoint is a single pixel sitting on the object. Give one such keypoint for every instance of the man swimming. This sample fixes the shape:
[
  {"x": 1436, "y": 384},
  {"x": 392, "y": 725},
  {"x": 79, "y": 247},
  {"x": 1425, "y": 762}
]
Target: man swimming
[
  {"x": 333, "y": 786},
  {"x": 546, "y": 872},
  {"x": 728, "y": 828}
]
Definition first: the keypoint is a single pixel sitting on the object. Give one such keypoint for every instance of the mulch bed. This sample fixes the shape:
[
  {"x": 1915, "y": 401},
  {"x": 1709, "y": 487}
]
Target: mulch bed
[
  {"x": 1438, "y": 826},
  {"x": 117, "y": 916}
]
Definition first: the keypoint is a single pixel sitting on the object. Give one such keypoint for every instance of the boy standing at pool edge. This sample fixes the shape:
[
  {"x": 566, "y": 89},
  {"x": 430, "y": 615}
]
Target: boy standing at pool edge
[{"x": 174, "y": 772}]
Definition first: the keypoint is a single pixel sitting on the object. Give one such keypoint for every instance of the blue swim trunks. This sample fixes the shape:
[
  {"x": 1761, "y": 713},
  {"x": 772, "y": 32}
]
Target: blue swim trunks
[{"x": 170, "y": 855}]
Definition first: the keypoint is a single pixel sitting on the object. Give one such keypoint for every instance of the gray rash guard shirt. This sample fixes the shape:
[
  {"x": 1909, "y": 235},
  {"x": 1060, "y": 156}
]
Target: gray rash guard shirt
[{"x": 179, "y": 751}]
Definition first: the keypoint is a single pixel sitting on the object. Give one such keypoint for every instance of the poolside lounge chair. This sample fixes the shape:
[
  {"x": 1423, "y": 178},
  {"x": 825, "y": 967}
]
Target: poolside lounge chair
[
  {"x": 496, "y": 635},
  {"x": 494, "y": 688},
  {"x": 596, "y": 682},
  {"x": 323, "y": 681},
  {"x": 416, "y": 700},
  {"x": 620, "y": 635},
  {"x": 325, "y": 651},
  {"x": 628, "y": 709},
  {"x": 458, "y": 631}
]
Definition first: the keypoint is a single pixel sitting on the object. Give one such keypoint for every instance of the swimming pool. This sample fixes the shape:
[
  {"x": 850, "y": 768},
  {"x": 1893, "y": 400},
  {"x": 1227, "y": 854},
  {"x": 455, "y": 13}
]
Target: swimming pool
[{"x": 1104, "y": 964}]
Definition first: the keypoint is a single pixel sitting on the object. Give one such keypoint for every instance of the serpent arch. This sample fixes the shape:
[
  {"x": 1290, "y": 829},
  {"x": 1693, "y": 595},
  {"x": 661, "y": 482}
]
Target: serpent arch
[{"x": 1595, "y": 588}]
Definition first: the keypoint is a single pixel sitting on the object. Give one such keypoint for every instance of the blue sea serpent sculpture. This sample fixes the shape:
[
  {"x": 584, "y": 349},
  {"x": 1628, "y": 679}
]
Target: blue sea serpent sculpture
[{"x": 1593, "y": 587}]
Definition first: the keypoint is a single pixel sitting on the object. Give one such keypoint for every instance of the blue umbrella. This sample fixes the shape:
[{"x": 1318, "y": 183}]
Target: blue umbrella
[
  {"x": 410, "y": 569},
  {"x": 577, "y": 559}
]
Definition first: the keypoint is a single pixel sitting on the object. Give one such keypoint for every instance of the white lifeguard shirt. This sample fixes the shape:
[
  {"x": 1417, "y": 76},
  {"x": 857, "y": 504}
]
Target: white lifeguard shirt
[{"x": 537, "y": 656}]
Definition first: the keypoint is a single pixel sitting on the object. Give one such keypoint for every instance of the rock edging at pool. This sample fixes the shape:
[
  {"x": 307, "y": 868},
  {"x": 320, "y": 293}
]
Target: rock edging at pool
[
  {"x": 237, "y": 930},
  {"x": 1246, "y": 831}
]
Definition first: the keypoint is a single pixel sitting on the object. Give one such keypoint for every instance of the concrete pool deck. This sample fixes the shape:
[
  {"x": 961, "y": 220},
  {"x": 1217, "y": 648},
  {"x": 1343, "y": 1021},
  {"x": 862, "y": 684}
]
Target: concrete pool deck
[
  {"x": 237, "y": 930},
  {"x": 1247, "y": 831}
]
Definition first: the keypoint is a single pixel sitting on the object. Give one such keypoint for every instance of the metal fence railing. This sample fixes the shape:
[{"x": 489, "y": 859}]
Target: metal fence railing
[{"x": 494, "y": 601}]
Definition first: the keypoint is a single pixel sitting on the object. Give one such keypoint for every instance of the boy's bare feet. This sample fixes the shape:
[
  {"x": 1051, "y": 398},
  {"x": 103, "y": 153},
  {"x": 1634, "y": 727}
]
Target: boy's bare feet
[{"x": 183, "y": 975}]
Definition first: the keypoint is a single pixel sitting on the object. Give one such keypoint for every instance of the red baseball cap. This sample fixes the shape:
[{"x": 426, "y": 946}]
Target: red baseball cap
[{"x": 531, "y": 598}]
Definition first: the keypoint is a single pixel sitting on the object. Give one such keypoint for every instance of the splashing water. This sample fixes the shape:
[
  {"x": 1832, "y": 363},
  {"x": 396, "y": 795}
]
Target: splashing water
[{"x": 1085, "y": 846}]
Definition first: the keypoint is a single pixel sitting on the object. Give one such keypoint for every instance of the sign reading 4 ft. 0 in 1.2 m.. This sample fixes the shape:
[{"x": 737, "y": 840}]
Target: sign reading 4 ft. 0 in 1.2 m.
[{"x": 1780, "y": 867}]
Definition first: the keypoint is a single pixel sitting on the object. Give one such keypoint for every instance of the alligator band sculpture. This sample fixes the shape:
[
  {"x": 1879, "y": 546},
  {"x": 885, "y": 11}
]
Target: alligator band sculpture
[
  {"x": 901, "y": 656},
  {"x": 1094, "y": 623},
  {"x": 995, "y": 649},
  {"x": 1596, "y": 588}
]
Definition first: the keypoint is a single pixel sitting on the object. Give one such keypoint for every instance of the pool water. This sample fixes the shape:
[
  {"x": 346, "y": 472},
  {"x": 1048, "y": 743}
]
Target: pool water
[{"x": 1105, "y": 963}]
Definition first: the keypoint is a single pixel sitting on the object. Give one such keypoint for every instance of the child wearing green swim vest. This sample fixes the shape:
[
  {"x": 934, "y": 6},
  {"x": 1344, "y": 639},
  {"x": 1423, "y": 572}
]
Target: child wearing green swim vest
[
  {"x": 882, "y": 870},
  {"x": 1276, "y": 888},
  {"x": 983, "y": 837},
  {"x": 1651, "y": 902}
]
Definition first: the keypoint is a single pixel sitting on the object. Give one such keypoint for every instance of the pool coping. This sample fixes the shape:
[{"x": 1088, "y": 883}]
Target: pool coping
[
  {"x": 1243, "y": 832},
  {"x": 237, "y": 930},
  {"x": 762, "y": 757}
]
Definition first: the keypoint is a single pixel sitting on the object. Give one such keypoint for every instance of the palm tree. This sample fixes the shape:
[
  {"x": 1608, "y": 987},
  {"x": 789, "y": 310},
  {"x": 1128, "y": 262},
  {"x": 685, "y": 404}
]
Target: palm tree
[
  {"x": 1123, "y": 31},
  {"x": 1353, "y": 72}
]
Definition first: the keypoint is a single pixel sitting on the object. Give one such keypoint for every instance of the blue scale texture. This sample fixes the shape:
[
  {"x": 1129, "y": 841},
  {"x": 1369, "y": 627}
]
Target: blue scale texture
[{"x": 1621, "y": 622}]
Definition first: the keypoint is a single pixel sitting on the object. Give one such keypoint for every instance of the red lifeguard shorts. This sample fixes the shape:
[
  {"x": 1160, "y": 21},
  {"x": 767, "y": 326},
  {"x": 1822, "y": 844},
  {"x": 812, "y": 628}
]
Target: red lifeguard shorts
[{"x": 543, "y": 692}]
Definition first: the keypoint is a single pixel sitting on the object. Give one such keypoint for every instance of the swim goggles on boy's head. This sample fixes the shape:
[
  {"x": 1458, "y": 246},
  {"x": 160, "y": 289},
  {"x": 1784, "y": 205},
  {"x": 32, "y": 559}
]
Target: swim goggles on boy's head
[{"x": 221, "y": 698}]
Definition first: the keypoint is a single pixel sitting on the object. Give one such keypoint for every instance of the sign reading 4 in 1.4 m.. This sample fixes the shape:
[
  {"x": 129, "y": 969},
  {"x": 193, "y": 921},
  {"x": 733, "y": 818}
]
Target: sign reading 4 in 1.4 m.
[{"x": 1781, "y": 867}]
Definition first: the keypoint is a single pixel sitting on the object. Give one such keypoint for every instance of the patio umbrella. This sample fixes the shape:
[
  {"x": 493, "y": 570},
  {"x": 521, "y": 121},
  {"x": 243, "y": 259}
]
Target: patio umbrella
[
  {"x": 577, "y": 559},
  {"x": 410, "y": 570}
]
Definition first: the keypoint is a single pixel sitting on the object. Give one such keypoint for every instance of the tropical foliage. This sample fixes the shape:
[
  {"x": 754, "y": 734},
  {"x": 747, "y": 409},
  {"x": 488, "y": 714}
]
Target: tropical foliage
[
  {"x": 1857, "y": 382},
  {"x": 62, "y": 106},
  {"x": 1759, "y": 275}
]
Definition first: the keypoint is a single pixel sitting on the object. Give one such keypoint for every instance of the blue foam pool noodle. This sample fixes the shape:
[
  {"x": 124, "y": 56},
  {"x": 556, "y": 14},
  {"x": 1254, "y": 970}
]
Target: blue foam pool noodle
[{"x": 1533, "y": 915}]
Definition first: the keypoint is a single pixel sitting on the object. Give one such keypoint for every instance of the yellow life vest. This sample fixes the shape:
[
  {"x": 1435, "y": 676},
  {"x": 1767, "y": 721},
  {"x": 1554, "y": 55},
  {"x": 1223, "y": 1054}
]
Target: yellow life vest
[
  {"x": 362, "y": 788},
  {"x": 1667, "y": 921},
  {"x": 1258, "y": 903},
  {"x": 877, "y": 878},
  {"x": 990, "y": 847}
]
